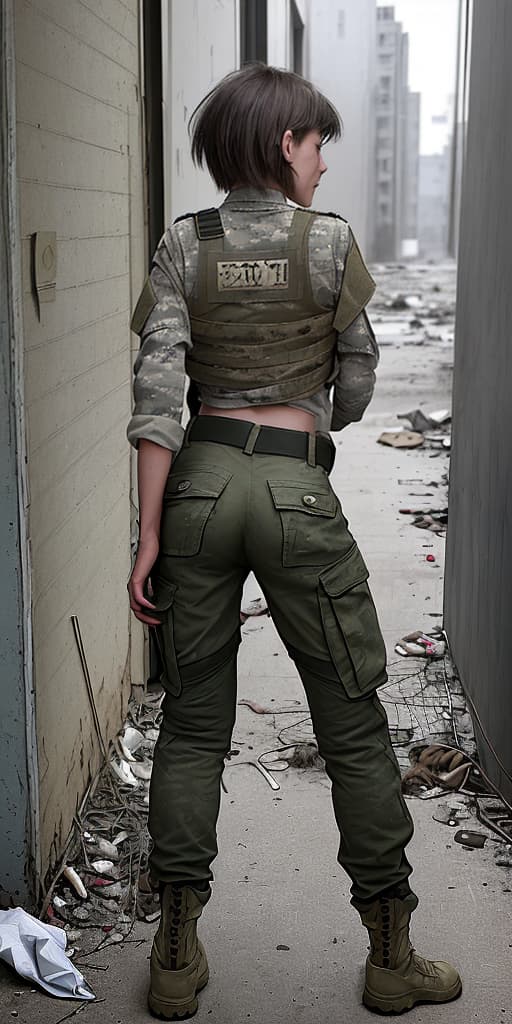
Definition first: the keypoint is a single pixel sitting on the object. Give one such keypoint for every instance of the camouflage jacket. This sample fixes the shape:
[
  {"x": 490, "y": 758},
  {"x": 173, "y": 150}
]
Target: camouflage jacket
[{"x": 165, "y": 332}]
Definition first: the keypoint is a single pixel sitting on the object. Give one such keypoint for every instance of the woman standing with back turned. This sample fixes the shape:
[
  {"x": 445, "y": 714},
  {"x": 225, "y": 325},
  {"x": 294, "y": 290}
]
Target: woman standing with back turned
[{"x": 263, "y": 306}]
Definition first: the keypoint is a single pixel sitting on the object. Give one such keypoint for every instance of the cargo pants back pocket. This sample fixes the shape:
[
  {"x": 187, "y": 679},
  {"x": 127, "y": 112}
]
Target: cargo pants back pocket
[{"x": 189, "y": 502}]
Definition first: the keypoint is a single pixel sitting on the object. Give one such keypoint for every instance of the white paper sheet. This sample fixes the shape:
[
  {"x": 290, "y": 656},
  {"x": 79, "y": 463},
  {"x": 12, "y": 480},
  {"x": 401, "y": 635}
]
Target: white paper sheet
[{"x": 36, "y": 951}]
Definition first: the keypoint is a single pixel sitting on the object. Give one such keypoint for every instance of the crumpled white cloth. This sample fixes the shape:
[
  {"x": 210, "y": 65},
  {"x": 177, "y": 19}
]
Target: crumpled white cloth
[{"x": 36, "y": 951}]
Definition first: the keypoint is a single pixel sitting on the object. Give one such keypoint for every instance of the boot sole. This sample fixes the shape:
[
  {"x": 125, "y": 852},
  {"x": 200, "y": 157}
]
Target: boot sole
[
  {"x": 397, "y": 1005},
  {"x": 183, "y": 1011}
]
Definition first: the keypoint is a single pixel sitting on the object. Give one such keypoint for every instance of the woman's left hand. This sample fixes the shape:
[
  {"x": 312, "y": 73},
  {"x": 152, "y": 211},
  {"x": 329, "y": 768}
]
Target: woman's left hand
[{"x": 146, "y": 558}]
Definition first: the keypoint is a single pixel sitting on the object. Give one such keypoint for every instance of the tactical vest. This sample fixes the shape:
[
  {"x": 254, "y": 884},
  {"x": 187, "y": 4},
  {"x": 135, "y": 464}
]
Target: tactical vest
[
  {"x": 255, "y": 324},
  {"x": 254, "y": 321}
]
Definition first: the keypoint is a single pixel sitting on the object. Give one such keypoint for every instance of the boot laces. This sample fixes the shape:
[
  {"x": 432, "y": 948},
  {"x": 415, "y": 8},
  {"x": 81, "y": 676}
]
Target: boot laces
[{"x": 176, "y": 921}]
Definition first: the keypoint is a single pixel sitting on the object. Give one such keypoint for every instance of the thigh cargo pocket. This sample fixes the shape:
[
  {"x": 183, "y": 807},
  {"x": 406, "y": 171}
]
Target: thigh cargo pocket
[
  {"x": 306, "y": 521},
  {"x": 350, "y": 625},
  {"x": 163, "y": 599},
  {"x": 189, "y": 501}
]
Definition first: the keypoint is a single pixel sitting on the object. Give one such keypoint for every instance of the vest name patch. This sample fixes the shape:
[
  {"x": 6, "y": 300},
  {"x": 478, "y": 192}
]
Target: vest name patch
[{"x": 252, "y": 274}]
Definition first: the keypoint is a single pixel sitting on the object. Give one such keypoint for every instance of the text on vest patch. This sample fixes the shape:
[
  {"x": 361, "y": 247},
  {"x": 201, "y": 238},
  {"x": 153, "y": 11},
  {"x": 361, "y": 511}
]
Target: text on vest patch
[{"x": 252, "y": 274}]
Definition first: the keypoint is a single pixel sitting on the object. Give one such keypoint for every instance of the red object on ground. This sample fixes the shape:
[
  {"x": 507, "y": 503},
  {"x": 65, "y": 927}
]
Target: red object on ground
[{"x": 431, "y": 558}]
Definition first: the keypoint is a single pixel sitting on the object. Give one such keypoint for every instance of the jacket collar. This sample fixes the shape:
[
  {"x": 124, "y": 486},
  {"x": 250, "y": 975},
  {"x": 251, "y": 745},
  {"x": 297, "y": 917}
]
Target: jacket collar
[{"x": 255, "y": 197}]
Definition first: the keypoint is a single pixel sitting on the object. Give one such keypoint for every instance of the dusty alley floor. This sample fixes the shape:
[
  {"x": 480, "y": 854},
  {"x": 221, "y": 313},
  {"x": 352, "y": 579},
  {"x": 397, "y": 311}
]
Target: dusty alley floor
[{"x": 283, "y": 942}]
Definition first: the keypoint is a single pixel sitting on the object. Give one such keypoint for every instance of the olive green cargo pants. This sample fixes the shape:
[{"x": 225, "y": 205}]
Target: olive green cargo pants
[{"x": 227, "y": 512}]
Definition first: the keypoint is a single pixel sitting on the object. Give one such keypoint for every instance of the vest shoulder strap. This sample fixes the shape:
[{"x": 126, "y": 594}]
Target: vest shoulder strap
[{"x": 207, "y": 223}]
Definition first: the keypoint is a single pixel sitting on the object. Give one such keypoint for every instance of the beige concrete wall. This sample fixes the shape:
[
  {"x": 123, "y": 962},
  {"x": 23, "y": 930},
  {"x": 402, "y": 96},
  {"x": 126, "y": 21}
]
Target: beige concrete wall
[{"x": 80, "y": 175}]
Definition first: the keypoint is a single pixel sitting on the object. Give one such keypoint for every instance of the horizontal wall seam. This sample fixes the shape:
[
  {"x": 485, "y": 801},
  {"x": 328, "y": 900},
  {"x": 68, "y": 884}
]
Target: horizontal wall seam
[
  {"x": 75, "y": 419},
  {"x": 86, "y": 325},
  {"x": 74, "y": 188},
  {"x": 79, "y": 39},
  {"x": 58, "y": 525},
  {"x": 51, "y": 583},
  {"x": 111, "y": 27},
  {"x": 124, "y": 348},
  {"x": 55, "y": 480},
  {"x": 72, "y": 138},
  {"x": 74, "y": 88}
]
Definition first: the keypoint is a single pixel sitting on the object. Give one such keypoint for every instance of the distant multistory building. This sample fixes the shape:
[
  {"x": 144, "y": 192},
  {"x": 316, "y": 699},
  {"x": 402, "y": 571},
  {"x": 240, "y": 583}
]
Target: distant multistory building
[
  {"x": 434, "y": 204},
  {"x": 396, "y": 144},
  {"x": 342, "y": 63}
]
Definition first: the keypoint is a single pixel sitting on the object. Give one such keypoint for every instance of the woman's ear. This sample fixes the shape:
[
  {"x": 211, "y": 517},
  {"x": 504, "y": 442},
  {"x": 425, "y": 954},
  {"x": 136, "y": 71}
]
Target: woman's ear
[{"x": 288, "y": 145}]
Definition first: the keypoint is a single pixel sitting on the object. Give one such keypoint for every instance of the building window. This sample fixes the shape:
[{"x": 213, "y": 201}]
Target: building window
[
  {"x": 253, "y": 31},
  {"x": 297, "y": 39}
]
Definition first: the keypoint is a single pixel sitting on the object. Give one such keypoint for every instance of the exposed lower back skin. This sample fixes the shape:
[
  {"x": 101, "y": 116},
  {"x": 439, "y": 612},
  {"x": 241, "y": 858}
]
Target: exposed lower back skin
[{"x": 268, "y": 415}]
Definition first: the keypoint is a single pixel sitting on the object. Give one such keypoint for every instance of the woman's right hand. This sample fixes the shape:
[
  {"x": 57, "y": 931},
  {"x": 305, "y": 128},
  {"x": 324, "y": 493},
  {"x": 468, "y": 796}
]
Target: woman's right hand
[{"x": 146, "y": 558}]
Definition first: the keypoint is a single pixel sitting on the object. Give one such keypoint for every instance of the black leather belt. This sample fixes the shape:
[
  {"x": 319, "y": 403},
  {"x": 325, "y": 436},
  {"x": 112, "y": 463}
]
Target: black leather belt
[{"x": 295, "y": 444}]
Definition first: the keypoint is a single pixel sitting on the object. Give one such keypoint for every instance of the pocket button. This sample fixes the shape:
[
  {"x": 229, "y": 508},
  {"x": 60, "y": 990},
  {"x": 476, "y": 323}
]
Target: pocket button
[
  {"x": 309, "y": 499},
  {"x": 184, "y": 485}
]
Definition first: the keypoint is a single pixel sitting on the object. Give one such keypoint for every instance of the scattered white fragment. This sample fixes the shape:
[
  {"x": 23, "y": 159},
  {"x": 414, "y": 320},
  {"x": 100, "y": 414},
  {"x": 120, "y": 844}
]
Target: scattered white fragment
[
  {"x": 120, "y": 838},
  {"x": 108, "y": 849},
  {"x": 129, "y": 741},
  {"x": 123, "y": 771},
  {"x": 58, "y": 902},
  {"x": 103, "y": 867},
  {"x": 142, "y": 769},
  {"x": 74, "y": 878}
]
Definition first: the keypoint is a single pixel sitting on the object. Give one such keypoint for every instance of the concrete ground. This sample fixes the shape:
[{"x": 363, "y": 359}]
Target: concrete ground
[{"x": 283, "y": 942}]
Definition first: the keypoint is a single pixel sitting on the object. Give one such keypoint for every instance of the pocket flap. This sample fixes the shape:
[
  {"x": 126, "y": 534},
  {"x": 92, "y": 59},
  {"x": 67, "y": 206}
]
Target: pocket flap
[
  {"x": 345, "y": 574},
  {"x": 202, "y": 483},
  {"x": 163, "y": 596},
  {"x": 299, "y": 498}
]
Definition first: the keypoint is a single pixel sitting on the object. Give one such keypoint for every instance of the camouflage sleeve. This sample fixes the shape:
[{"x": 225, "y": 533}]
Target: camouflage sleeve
[
  {"x": 357, "y": 350},
  {"x": 162, "y": 321}
]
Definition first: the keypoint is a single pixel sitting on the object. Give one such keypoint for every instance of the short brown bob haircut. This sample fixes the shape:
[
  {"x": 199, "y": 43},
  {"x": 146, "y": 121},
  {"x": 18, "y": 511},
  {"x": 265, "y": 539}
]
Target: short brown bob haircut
[{"x": 237, "y": 129}]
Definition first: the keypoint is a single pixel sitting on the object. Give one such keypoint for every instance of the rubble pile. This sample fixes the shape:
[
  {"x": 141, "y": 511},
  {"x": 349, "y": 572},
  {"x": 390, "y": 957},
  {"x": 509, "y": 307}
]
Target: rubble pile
[{"x": 103, "y": 883}]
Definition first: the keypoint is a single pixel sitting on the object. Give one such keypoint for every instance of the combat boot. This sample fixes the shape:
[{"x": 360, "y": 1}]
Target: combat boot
[
  {"x": 179, "y": 968},
  {"x": 396, "y": 976}
]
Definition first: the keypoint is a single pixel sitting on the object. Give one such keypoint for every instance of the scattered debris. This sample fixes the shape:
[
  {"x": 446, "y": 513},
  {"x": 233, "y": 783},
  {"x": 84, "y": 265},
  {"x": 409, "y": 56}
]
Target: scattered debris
[
  {"x": 496, "y": 816},
  {"x": 110, "y": 844},
  {"x": 306, "y": 755},
  {"x": 503, "y": 856},
  {"x": 73, "y": 877},
  {"x": 405, "y": 302},
  {"x": 257, "y": 606},
  {"x": 436, "y": 765},
  {"x": 36, "y": 952},
  {"x": 473, "y": 840},
  {"x": 422, "y": 645},
  {"x": 448, "y": 814},
  {"x": 418, "y": 420},
  {"x": 257, "y": 708},
  {"x": 401, "y": 439}
]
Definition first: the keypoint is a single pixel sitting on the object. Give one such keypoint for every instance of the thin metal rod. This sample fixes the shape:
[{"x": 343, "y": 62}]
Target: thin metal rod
[{"x": 87, "y": 677}]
